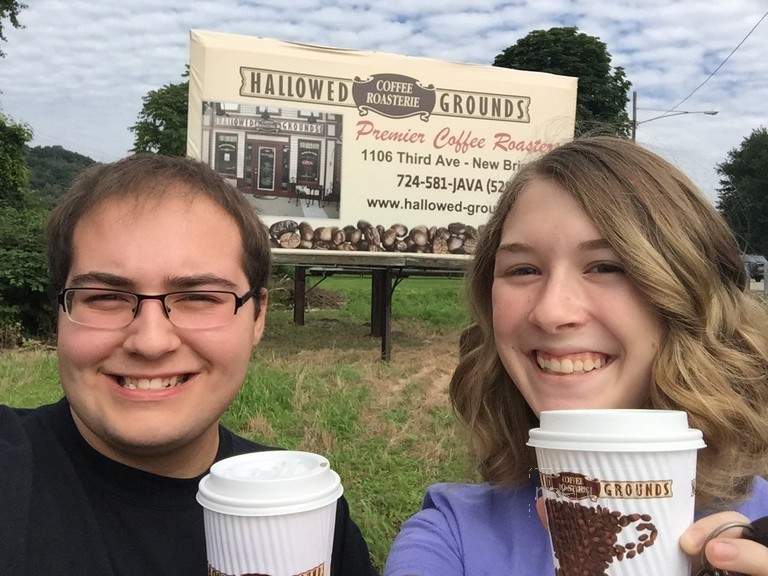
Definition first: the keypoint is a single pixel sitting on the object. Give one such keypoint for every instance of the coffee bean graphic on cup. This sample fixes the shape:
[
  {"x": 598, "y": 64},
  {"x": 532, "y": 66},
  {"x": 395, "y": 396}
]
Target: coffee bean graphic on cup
[{"x": 586, "y": 539}]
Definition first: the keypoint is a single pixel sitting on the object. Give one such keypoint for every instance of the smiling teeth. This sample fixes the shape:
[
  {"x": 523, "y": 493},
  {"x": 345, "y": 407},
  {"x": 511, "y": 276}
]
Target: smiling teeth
[
  {"x": 151, "y": 383},
  {"x": 576, "y": 364}
]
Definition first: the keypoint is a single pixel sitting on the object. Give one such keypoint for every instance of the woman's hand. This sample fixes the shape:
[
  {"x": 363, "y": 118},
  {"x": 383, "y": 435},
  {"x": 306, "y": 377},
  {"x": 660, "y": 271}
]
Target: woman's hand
[{"x": 729, "y": 551}]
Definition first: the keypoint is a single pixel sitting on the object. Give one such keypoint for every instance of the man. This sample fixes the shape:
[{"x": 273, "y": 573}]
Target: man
[{"x": 160, "y": 268}]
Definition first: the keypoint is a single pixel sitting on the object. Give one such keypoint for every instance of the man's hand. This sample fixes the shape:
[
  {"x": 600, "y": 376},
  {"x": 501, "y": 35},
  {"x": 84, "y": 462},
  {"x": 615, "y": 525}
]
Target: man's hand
[{"x": 729, "y": 551}]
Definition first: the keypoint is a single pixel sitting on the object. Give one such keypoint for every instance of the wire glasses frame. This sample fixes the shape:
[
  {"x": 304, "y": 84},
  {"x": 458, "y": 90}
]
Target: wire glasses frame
[{"x": 117, "y": 309}]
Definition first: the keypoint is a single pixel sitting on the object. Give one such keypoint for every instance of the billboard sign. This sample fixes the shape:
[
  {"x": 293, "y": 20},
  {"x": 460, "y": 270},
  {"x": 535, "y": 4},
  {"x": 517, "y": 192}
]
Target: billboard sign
[{"x": 367, "y": 152}]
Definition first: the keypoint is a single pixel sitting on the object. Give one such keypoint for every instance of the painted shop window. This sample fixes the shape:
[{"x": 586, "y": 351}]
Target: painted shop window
[
  {"x": 309, "y": 161},
  {"x": 226, "y": 154}
]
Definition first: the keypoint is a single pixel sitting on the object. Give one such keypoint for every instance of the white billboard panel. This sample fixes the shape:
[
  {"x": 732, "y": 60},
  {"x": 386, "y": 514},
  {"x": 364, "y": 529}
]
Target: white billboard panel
[{"x": 363, "y": 151}]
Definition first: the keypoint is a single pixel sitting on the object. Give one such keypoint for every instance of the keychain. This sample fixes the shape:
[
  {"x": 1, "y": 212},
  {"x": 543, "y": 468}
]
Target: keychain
[{"x": 757, "y": 531}]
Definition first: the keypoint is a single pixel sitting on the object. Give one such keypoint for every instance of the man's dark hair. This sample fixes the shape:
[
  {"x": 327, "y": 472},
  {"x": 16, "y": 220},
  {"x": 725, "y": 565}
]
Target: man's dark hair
[{"x": 152, "y": 176}]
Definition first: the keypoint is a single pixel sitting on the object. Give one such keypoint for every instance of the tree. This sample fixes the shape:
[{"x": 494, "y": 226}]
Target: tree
[
  {"x": 743, "y": 193},
  {"x": 9, "y": 9},
  {"x": 162, "y": 123},
  {"x": 603, "y": 90},
  {"x": 14, "y": 176},
  {"x": 24, "y": 305}
]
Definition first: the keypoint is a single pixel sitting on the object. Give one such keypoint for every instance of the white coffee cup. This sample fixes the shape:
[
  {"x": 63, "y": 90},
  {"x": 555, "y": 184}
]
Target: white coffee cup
[
  {"x": 619, "y": 488},
  {"x": 270, "y": 513}
]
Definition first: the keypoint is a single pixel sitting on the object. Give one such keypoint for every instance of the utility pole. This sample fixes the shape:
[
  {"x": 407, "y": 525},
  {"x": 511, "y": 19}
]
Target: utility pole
[{"x": 634, "y": 114}]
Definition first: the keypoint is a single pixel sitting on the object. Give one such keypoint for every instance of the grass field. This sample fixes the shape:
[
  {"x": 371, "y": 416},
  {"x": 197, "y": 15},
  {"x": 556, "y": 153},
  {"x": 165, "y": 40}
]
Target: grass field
[{"x": 386, "y": 427}]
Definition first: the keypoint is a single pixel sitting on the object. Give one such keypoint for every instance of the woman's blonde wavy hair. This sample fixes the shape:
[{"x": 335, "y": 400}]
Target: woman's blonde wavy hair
[{"x": 680, "y": 254}]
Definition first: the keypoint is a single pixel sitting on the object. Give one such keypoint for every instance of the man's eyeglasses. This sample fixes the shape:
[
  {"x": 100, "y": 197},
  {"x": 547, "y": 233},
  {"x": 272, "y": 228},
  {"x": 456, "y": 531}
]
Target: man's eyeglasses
[{"x": 116, "y": 309}]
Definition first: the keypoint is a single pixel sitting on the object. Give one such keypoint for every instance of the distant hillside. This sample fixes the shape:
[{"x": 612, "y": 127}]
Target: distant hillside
[{"x": 52, "y": 170}]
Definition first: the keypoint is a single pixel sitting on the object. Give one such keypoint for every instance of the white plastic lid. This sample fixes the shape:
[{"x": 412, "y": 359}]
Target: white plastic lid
[
  {"x": 615, "y": 431},
  {"x": 269, "y": 484}
]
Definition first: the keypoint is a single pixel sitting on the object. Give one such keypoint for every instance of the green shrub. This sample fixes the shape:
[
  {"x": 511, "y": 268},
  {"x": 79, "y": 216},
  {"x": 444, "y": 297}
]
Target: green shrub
[{"x": 24, "y": 300}]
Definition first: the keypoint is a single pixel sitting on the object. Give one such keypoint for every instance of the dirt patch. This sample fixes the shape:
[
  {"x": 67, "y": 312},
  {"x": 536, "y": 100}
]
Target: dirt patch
[
  {"x": 282, "y": 293},
  {"x": 319, "y": 298}
]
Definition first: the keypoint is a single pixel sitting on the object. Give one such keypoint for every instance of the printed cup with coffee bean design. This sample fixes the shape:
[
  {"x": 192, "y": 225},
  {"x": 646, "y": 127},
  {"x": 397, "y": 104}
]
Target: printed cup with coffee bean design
[{"x": 618, "y": 488}]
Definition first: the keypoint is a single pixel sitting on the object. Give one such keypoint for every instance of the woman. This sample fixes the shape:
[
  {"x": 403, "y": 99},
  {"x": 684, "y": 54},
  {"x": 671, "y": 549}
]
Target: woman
[{"x": 603, "y": 280}]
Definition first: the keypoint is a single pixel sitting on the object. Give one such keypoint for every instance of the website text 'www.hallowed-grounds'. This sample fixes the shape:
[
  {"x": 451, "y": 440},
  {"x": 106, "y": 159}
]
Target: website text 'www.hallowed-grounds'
[{"x": 424, "y": 205}]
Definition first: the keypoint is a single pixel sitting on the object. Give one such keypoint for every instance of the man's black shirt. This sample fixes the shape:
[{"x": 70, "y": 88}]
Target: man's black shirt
[{"x": 66, "y": 509}]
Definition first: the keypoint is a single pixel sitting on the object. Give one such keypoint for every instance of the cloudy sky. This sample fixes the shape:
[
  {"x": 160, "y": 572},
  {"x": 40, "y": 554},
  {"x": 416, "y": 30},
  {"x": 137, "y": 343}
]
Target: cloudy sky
[{"x": 78, "y": 69}]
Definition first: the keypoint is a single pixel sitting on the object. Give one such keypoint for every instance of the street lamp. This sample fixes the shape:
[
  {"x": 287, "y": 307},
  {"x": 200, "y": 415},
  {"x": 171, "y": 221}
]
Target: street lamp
[{"x": 635, "y": 123}]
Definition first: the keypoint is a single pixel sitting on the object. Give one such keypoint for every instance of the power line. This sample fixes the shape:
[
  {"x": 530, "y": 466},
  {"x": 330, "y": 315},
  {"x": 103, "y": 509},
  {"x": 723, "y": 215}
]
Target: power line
[{"x": 718, "y": 67}]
